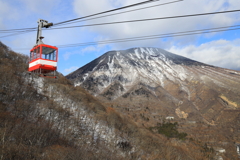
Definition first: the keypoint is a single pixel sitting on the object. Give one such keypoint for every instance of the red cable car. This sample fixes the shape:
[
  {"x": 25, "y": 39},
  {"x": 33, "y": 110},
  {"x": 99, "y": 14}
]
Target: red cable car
[{"x": 43, "y": 58}]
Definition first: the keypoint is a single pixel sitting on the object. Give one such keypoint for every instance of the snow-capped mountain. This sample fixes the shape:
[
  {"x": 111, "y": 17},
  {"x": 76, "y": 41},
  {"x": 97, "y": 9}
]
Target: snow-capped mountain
[
  {"x": 150, "y": 66},
  {"x": 166, "y": 83}
]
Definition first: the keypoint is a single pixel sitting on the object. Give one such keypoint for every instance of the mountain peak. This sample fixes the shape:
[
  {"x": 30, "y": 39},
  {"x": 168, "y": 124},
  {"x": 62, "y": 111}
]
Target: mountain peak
[
  {"x": 132, "y": 66},
  {"x": 136, "y": 71},
  {"x": 150, "y": 53},
  {"x": 149, "y": 84}
]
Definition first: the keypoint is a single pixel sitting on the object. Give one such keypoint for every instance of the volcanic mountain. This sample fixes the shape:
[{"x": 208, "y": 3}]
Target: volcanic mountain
[
  {"x": 165, "y": 83},
  {"x": 150, "y": 85}
]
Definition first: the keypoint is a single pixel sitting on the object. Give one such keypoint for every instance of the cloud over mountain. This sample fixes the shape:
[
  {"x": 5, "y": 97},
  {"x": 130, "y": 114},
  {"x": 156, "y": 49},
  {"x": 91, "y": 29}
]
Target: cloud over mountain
[{"x": 221, "y": 53}]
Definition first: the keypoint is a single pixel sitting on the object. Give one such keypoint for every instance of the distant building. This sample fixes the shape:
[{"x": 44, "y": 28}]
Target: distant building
[{"x": 169, "y": 118}]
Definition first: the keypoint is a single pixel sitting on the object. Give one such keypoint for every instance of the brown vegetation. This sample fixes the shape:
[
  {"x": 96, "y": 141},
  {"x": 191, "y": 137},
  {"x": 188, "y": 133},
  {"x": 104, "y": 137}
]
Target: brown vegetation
[
  {"x": 24, "y": 132},
  {"x": 48, "y": 124}
]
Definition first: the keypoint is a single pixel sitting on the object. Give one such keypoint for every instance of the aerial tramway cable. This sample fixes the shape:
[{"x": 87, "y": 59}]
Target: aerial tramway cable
[
  {"x": 124, "y": 12},
  {"x": 139, "y": 20},
  {"x": 130, "y": 21},
  {"x": 149, "y": 19},
  {"x": 133, "y": 5},
  {"x": 185, "y": 33},
  {"x": 18, "y": 33},
  {"x": 167, "y": 35},
  {"x": 27, "y": 30},
  {"x": 148, "y": 37},
  {"x": 17, "y": 30}
]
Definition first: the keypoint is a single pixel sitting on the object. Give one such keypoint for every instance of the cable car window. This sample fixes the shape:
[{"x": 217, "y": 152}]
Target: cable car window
[
  {"x": 35, "y": 54},
  {"x": 49, "y": 53},
  {"x": 31, "y": 56}
]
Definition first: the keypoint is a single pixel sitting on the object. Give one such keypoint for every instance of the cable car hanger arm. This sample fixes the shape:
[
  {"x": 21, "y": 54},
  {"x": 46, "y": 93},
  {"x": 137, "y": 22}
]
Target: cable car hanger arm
[{"x": 42, "y": 24}]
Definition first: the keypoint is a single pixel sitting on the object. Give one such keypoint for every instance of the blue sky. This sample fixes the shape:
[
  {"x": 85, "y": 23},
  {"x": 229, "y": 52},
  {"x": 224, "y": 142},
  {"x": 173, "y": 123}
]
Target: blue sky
[{"x": 219, "y": 49}]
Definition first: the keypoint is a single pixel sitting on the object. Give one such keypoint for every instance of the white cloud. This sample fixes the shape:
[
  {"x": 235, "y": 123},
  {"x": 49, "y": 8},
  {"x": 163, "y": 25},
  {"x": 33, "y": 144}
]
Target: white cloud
[
  {"x": 25, "y": 13},
  {"x": 43, "y": 7},
  {"x": 89, "y": 49},
  {"x": 86, "y": 7},
  {"x": 220, "y": 53},
  {"x": 69, "y": 70},
  {"x": 98, "y": 50},
  {"x": 7, "y": 12},
  {"x": 67, "y": 55}
]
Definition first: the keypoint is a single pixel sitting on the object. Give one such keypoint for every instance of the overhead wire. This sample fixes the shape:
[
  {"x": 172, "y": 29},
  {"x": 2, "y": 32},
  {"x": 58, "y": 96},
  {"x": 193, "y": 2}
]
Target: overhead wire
[
  {"x": 187, "y": 33},
  {"x": 132, "y": 5},
  {"x": 17, "y": 30},
  {"x": 18, "y": 33},
  {"x": 139, "y": 20},
  {"x": 149, "y": 19},
  {"x": 130, "y": 21},
  {"x": 27, "y": 30},
  {"x": 167, "y": 35},
  {"x": 123, "y": 12}
]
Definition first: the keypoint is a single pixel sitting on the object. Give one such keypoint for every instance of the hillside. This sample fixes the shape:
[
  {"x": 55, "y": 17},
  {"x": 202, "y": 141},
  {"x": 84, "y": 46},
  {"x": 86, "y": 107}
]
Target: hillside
[
  {"x": 150, "y": 84},
  {"x": 51, "y": 119}
]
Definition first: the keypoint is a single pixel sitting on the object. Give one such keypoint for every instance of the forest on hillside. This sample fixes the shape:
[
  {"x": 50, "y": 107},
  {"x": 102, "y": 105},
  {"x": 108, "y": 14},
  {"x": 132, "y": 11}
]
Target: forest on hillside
[{"x": 51, "y": 119}]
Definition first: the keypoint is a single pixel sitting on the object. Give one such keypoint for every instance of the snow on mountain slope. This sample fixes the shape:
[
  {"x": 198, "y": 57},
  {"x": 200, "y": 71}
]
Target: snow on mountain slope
[
  {"x": 177, "y": 85},
  {"x": 138, "y": 65},
  {"x": 149, "y": 84},
  {"x": 150, "y": 66}
]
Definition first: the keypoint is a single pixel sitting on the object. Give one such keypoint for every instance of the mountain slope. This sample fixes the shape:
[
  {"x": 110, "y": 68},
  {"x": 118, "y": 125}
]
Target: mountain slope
[
  {"x": 150, "y": 84},
  {"x": 130, "y": 67},
  {"x": 51, "y": 119},
  {"x": 162, "y": 76}
]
